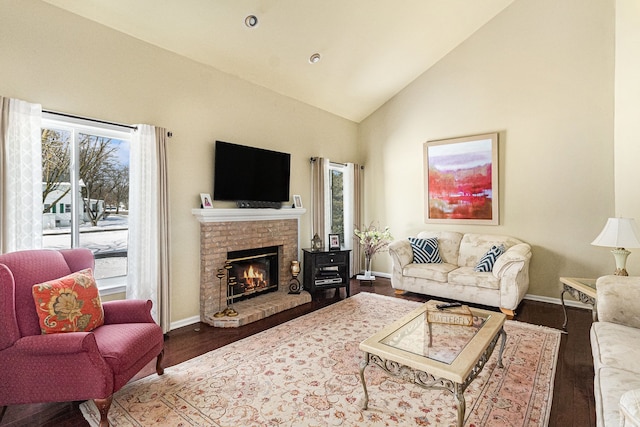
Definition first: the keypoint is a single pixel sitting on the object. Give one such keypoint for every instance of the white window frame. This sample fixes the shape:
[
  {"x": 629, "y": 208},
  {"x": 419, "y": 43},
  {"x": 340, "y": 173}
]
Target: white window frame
[
  {"x": 347, "y": 203},
  {"x": 74, "y": 125}
]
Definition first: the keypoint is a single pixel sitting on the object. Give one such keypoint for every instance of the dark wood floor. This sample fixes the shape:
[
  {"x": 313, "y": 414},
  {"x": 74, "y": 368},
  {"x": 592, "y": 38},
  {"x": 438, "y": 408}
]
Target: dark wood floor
[{"x": 573, "y": 401}]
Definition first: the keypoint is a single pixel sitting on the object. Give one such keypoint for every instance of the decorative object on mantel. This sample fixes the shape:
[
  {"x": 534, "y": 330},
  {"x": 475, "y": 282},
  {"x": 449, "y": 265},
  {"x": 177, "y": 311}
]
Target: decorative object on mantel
[
  {"x": 372, "y": 241},
  {"x": 294, "y": 283},
  {"x": 220, "y": 275},
  {"x": 297, "y": 201},
  {"x": 316, "y": 242},
  {"x": 205, "y": 201},
  {"x": 619, "y": 233}
]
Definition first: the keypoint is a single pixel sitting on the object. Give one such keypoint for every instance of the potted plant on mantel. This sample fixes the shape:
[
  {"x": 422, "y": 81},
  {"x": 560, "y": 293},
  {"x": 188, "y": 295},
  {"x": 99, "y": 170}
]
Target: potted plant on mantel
[{"x": 372, "y": 241}]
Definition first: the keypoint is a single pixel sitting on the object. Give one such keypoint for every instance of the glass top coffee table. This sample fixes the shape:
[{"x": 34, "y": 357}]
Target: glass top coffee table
[{"x": 435, "y": 355}]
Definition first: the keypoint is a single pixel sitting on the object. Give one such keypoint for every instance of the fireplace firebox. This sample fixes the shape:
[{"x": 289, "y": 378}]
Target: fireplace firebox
[{"x": 253, "y": 272}]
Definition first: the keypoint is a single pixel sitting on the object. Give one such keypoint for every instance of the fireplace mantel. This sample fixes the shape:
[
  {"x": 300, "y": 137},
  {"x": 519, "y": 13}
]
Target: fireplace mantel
[{"x": 248, "y": 214}]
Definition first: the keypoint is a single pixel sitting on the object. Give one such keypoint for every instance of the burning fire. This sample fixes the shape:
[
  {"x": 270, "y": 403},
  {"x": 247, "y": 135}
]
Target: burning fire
[{"x": 253, "y": 278}]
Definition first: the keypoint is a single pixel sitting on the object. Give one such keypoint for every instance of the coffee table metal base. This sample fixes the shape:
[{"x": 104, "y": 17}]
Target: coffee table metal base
[{"x": 428, "y": 381}]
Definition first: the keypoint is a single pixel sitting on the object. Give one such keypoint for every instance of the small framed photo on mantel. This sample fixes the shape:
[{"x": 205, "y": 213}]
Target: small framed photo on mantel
[
  {"x": 205, "y": 201},
  {"x": 297, "y": 201},
  {"x": 334, "y": 241}
]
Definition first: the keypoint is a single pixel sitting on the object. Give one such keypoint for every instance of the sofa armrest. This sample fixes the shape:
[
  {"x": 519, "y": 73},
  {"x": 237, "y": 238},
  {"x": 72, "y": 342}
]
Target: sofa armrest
[
  {"x": 9, "y": 332},
  {"x": 516, "y": 255},
  {"x": 127, "y": 311},
  {"x": 57, "y": 344},
  {"x": 401, "y": 253},
  {"x": 617, "y": 300}
]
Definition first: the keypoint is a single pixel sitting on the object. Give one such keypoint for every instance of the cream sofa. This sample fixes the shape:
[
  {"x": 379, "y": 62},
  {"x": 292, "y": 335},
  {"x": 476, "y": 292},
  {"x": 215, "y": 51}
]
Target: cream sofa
[
  {"x": 455, "y": 278},
  {"x": 615, "y": 344}
]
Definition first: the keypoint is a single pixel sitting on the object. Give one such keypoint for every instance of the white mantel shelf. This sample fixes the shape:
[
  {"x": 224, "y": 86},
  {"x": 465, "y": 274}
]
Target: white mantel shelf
[{"x": 246, "y": 214}]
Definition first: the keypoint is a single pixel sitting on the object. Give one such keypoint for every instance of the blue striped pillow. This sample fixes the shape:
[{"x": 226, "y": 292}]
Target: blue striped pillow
[
  {"x": 486, "y": 262},
  {"x": 425, "y": 251}
]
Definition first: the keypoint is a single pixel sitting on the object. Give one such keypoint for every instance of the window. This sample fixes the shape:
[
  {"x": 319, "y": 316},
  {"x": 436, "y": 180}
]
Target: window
[
  {"x": 338, "y": 215},
  {"x": 85, "y": 193}
]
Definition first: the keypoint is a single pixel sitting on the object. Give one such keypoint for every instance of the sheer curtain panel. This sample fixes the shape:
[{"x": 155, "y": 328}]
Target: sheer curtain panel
[
  {"x": 20, "y": 175},
  {"x": 148, "y": 253},
  {"x": 319, "y": 177},
  {"x": 356, "y": 172}
]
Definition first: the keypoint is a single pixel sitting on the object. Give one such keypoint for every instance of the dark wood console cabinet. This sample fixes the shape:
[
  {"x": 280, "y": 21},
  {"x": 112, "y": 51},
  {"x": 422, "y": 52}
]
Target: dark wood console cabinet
[{"x": 324, "y": 269}]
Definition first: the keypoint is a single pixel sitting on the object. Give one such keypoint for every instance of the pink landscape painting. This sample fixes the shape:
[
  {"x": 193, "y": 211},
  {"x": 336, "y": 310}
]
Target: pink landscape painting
[{"x": 460, "y": 182}]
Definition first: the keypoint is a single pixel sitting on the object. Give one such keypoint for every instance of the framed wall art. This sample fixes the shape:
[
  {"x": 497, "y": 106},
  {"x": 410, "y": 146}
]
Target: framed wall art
[{"x": 461, "y": 180}]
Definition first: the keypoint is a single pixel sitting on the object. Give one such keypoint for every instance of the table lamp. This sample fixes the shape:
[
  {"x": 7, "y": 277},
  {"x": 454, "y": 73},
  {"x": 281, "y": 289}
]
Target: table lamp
[{"x": 619, "y": 233}]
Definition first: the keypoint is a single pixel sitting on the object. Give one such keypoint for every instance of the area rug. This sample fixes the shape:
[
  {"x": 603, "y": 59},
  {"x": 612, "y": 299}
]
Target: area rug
[{"x": 306, "y": 373}]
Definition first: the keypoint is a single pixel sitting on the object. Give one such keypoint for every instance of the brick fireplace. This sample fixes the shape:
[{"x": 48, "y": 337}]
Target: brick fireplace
[{"x": 228, "y": 230}]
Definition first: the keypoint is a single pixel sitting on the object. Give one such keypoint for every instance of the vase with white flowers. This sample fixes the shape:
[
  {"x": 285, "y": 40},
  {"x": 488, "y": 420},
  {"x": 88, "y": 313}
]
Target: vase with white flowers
[{"x": 372, "y": 241}]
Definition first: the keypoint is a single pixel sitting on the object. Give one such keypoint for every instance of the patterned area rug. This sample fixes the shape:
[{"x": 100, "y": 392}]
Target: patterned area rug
[{"x": 306, "y": 373}]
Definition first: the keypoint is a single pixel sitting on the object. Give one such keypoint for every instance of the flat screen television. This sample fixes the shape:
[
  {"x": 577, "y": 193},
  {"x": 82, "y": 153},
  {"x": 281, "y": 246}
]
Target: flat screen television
[{"x": 250, "y": 176}]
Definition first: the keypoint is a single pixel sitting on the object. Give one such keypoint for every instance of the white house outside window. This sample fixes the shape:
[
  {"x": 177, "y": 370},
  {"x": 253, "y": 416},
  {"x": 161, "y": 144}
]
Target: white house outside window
[{"x": 85, "y": 193}]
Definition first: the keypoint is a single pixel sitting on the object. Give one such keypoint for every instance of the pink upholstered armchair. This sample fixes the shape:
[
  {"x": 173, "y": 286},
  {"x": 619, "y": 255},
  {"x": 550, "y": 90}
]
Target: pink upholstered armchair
[{"x": 69, "y": 366}]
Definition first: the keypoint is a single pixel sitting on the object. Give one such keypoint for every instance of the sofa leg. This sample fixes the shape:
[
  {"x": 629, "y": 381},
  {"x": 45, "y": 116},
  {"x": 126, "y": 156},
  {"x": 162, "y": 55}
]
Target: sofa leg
[
  {"x": 510, "y": 313},
  {"x": 159, "y": 368},
  {"x": 399, "y": 292},
  {"x": 2, "y": 412},
  {"x": 103, "y": 406}
]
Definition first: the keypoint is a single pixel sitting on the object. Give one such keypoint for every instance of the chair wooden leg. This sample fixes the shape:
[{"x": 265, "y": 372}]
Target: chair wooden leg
[
  {"x": 510, "y": 313},
  {"x": 103, "y": 406},
  {"x": 159, "y": 368}
]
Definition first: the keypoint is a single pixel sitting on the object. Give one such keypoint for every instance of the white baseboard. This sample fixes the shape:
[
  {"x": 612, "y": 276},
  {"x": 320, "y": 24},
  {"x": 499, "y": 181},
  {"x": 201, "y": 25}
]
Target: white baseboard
[
  {"x": 568, "y": 301},
  {"x": 184, "y": 322}
]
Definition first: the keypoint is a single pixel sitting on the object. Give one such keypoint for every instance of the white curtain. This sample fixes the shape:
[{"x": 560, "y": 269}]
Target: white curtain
[
  {"x": 148, "y": 252},
  {"x": 20, "y": 175},
  {"x": 319, "y": 191},
  {"x": 353, "y": 213}
]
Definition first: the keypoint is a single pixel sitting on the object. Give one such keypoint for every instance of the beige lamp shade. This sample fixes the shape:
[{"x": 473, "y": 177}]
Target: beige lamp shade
[{"x": 619, "y": 233}]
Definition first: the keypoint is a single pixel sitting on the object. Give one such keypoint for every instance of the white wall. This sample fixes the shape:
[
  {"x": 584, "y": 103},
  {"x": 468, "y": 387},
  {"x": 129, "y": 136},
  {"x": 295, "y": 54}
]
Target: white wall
[
  {"x": 70, "y": 64},
  {"x": 541, "y": 73}
]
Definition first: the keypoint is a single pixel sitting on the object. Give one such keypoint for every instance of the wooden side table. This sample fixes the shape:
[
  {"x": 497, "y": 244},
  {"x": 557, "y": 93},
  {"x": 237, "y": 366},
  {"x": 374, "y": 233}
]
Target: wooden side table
[{"x": 584, "y": 290}]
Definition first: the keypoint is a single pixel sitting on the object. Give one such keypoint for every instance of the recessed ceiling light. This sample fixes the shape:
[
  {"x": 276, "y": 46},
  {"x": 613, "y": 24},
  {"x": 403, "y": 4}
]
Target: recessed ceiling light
[
  {"x": 314, "y": 58},
  {"x": 251, "y": 21}
]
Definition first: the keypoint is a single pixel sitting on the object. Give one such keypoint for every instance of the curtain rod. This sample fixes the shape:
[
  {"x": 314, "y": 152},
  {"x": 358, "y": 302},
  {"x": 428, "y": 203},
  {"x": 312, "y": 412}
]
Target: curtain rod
[
  {"x": 313, "y": 160},
  {"x": 71, "y": 116}
]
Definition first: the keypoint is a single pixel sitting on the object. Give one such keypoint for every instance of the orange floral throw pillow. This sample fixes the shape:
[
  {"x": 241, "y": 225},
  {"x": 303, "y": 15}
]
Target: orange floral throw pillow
[{"x": 69, "y": 304}]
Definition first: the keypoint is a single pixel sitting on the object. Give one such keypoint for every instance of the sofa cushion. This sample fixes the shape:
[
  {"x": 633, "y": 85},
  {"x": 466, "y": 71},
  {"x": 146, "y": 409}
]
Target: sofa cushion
[
  {"x": 615, "y": 346},
  {"x": 435, "y": 272},
  {"x": 474, "y": 246},
  {"x": 448, "y": 244},
  {"x": 69, "y": 304},
  {"x": 467, "y": 276},
  {"x": 486, "y": 262},
  {"x": 425, "y": 251},
  {"x": 609, "y": 386}
]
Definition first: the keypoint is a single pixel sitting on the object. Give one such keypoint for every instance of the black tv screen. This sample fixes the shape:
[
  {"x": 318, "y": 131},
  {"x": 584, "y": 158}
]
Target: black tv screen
[{"x": 245, "y": 173}]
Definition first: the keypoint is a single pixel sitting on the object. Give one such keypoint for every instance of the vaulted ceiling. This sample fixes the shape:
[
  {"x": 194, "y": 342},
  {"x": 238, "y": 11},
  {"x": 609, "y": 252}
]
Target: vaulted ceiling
[{"x": 369, "y": 49}]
